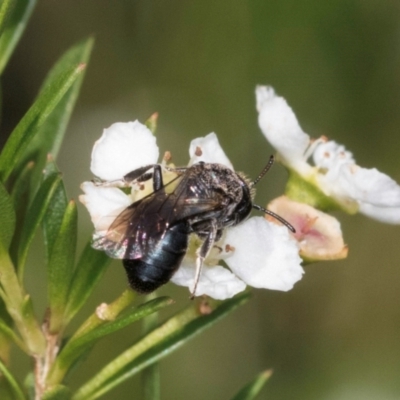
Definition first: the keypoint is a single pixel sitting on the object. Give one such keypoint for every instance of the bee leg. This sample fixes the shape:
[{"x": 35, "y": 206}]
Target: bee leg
[
  {"x": 120, "y": 183},
  {"x": 157, "y": 178},
  {"x": 140, "y": 174},
  {"x": 202, "y": 253}
]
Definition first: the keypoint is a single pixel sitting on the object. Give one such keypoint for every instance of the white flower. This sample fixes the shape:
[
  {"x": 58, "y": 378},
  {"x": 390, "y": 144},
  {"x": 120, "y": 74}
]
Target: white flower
[
  {"x": 335, "y": 172},
  {"x": 111, "y": 161},
  {"x": 257, "y": 252},
  {"x": 208, "y": 149}
]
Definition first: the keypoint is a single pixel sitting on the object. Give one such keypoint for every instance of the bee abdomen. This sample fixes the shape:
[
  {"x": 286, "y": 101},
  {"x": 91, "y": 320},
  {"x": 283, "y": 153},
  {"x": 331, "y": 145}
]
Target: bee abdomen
[{"x": 157, "y": 267}]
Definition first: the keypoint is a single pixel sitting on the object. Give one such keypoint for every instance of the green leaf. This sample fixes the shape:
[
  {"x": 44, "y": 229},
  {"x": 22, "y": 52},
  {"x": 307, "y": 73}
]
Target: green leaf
[
  {"x": 29, "y": 125},
  {"x": 107, "y": 312},
  {"x": 6, "y": 8},
  {"x": 50, "y": 136},
  {"x": 14, "y": 385},
  {"x": 7, "y": 217},
  {"x": 15, "y": 303},
  {"x": 151, "y": 375},
  {"x": 59, "y": 392},
  {"x": 16, "y": 23},
  {"x": 253, "y": 388},
  {"x": 151, "y": 382},
  {"x": 89, "y": 270},
  {"x": 60, "y": 267},
  {"x": 157, "y": 344},
  {"x": 35, "y": 215},
  {"x": 11, "y": 335},
  {"x": 77, "y": 344},
  {"x": 54, "y": 216},
  {"x": 20, "y": 196},
  {"x": 19, "y": 306}
]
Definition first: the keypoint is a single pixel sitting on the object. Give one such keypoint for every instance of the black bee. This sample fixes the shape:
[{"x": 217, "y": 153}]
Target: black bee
[{"x": 152, "y": 234}]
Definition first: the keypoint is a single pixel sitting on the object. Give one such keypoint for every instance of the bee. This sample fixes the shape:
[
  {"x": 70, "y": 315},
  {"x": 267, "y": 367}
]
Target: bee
[{"x": 151, "y": 236}]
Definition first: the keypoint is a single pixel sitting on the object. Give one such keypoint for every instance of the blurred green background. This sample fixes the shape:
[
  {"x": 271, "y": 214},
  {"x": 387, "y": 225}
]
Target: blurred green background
[{"x": 336, "y": 334}]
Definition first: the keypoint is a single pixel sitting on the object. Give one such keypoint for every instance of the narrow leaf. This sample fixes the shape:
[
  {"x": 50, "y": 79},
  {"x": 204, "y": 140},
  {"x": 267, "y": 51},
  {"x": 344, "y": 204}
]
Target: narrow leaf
[
  {"x": 19, "y": 197},
  {"x": 24, "y": 132},
  {"x": 253, "y": 388},
  {"x": 7, "y": 217},
  {"x": 14, "y": 385},
  {"x": 60, "y": 267},
  {"x": 107, "y": 312},
  {"x": 19, "y": 306},
  {"x": 54, "y": 216},
  {"x": 11, "y": 335},
  {"x": 76, "y": 345},
  {"x": 35, "y": 215},
  {"x": 52, "y": 133},
  {"x": 50, "y": 136},
  {"x": 151, "y": 382},
  {"x": 104, "y": 312},
  {"x": 151, "y": 375},
  {"x": 12, "y": 32},
  {"x": 89, "y": 270},
  {"x": 6, "y": 8},
  {"x": 156, "y": 345},
  {"x": 59, "y": 392}
]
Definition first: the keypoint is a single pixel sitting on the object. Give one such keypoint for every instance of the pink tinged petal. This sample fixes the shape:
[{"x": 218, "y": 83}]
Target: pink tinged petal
[
  {"x": 208, "y": 149},
  {"x": 319, "y": 234},
  {"x": 280, "y": 126},
  {"x": 103, "y": 204},
  {"x": 123, "y": 147},
  {"x": 216, "y": 281},
  {"x": 263, "y": 254}
]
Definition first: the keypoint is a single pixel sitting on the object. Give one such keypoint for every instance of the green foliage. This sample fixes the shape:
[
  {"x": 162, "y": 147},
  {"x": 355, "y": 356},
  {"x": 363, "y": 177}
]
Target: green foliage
[
  {"x": 7, "y": 217},
  {"x": 89, "y": 270},
  {"x": 156, "y": 345},
  {"x": 60, "y": 267},
  {"x": 15, "y": 388},
  {"x": 24, "y": 132},
  {"x": 33, "y": 196},
  {"x": 35, "y": 215},
  {"x": 253, "y": 388},
  {"x": 14, "y": 15}
]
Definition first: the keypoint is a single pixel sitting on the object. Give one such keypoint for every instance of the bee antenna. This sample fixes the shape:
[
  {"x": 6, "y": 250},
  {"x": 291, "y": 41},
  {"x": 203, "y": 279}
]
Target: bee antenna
[
  {"x": 263, "y": 172},
  {"x": 276, "y": 216}
]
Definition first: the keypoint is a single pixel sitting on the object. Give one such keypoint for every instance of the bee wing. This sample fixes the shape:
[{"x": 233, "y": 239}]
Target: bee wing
[
  {"x": 141, "y": 225},
  {"x": 135, "y": 229}
]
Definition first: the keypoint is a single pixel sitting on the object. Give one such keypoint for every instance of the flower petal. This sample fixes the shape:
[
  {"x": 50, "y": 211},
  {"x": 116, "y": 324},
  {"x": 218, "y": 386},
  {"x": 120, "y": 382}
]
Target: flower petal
[
  {"x": 318, "y": 234},
  {"x": 389, "y": 215},
  {"x": 103, "y": 204},
  {"x": 216, "y": 282},
  {"x": 370, "y": 186},
  {"x": 209, "y": 150},
  {"x": 123, "y": 147},
  {"x": 264, "y": 255},
  {"x": 377, "y": 195},
  {"x": 279, "y": 125}
]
